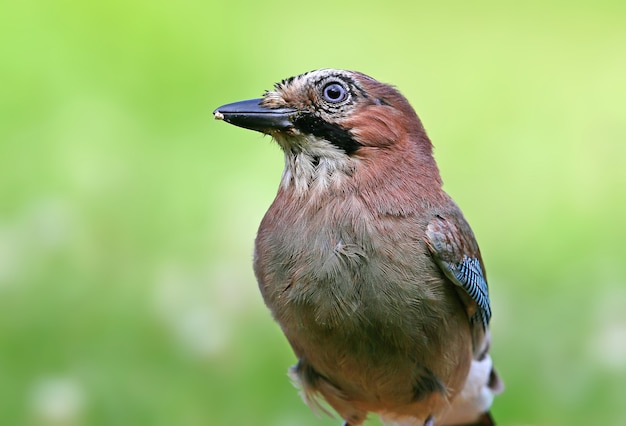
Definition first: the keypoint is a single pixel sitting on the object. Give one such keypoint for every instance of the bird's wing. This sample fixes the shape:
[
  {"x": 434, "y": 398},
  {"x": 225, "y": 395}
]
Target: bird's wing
[{"x": 454, "y": 248}]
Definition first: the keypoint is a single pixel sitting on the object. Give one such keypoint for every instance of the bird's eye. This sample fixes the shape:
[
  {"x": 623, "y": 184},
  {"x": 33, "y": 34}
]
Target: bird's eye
[{"x": 335, "y": 93}]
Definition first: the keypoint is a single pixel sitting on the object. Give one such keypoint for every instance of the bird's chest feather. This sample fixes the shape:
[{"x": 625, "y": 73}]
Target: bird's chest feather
[
  {"x": 338, "y": 268},
  {"x": 350, "y": 287}
]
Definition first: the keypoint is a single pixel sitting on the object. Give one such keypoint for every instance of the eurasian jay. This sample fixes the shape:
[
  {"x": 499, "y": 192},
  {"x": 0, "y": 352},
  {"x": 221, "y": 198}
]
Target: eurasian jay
[{"x": 366, "y": 263}]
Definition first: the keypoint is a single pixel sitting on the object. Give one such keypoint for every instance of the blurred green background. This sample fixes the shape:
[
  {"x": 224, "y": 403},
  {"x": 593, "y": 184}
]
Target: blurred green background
[{"x": 127, "y": 214}]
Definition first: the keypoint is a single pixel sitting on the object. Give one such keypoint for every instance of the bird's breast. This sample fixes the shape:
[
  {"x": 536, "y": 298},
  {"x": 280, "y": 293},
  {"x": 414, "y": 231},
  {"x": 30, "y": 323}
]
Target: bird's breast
[
  {"x": 338, "y": 265},
  {"x": 356, "y": 292}
]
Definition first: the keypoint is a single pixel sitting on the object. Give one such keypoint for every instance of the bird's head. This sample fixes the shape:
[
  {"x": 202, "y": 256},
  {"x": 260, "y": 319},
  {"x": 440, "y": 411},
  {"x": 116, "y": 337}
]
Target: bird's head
[{"x": 329, "y": 121}]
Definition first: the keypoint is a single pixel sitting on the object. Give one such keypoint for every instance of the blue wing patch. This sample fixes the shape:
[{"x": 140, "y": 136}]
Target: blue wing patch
[
  {"x": 468, "y": 275},
  {"x": 455, "y": 250}
]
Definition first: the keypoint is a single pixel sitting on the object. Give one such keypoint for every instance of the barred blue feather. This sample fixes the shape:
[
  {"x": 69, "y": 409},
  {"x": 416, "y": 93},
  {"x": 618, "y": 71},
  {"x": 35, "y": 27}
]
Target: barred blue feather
[
  {"x": 468, "y": 275},
  {"x": 454, "y": 248}
]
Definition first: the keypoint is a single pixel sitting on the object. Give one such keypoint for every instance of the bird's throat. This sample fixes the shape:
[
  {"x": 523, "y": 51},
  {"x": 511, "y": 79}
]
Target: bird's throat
[{"x": 314, "y": 166}]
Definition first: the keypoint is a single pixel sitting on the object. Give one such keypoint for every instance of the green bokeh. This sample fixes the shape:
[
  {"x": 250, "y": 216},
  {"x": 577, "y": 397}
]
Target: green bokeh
[{"x": 127, "y": 215}]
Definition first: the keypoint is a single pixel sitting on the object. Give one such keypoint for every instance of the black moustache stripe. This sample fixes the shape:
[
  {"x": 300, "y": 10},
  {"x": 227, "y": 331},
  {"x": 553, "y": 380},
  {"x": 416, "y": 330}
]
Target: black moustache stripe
[{"x": 333, "y": 133}]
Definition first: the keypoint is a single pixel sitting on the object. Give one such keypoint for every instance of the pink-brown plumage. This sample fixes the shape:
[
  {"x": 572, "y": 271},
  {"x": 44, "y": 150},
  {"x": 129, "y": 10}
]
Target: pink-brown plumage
[{"x": 368, "y": 266}]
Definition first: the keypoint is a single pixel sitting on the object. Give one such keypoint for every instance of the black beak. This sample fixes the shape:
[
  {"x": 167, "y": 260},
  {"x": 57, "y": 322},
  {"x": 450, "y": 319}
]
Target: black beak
[{"x": 251, "y": 115}]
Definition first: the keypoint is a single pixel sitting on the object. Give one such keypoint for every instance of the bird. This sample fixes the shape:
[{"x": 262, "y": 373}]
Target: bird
[{"x": 367, "y": 265}]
